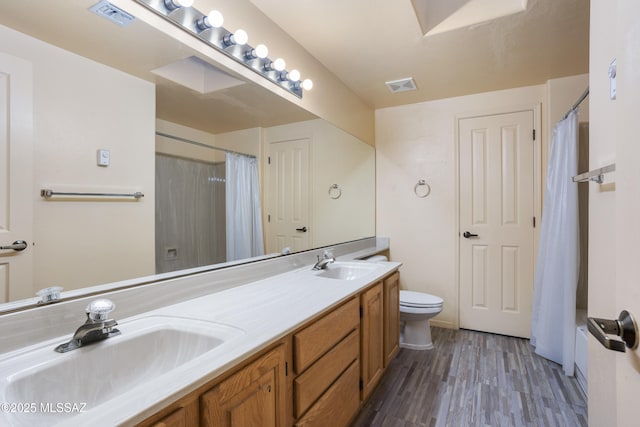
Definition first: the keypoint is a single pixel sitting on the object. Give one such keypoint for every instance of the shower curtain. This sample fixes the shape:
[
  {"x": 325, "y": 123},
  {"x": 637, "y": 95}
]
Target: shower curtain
[
  {"x": 244, "y": 216},
  {"x": 557, "y": 268}
]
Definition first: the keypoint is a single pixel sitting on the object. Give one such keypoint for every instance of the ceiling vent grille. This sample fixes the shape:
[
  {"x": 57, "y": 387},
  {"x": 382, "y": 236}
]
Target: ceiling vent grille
[
  {"x": 402, "y": 85},
  {"x": 112, "y": 13}
]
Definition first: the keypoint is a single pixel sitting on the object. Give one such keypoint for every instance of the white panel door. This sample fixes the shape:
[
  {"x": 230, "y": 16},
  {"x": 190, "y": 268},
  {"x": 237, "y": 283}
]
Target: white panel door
[
  {"x": 617, "y": 126},
  {"x": 16, "y": 181},
  {"x": 288, "y": 196},
  {"x": 497, "y": 204}
]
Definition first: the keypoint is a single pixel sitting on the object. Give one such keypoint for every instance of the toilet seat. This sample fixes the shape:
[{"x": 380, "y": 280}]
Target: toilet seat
[{"x": 412, "y": 299}]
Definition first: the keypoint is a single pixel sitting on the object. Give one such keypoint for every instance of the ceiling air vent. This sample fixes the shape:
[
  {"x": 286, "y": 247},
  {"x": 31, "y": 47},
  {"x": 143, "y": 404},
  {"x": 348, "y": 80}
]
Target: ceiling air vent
[
  {"x": 112, "y": 13},
  {"x": 401, "y": 85}
]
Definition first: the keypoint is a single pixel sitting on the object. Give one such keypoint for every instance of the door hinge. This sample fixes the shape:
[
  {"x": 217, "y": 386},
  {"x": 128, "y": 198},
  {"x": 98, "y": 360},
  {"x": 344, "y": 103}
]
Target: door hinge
[
  {"x": 269, "y": 160},
  {"x": 286, "y": 369},
  {"x": 268, "y": 217},
  {"x": 534, "y": 134},
  {"x": 361, "y": 312},
  {"x": 534, "y": 222}
]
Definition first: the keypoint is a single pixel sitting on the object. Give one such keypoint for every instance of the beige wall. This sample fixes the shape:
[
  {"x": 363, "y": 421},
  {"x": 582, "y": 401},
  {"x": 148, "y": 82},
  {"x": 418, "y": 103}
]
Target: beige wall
[
  {"x": 78, "y": 243},
  {"x": 339, "y": 158},
  {"x": 416, "y": 142}
]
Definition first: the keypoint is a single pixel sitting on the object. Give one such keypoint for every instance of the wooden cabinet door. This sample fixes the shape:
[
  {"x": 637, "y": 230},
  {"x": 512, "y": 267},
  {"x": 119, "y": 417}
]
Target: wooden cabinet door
[
  {"x": 178, "y": 418},
  {"x": 371, "y": 340},
  {"x": 391, "y": 317},
  {"x": 254, "y": 396}
]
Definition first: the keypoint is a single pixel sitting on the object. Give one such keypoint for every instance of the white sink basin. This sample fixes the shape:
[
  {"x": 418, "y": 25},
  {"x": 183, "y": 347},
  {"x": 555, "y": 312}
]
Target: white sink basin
[
  {"x": 346, "y": 270},
  {"x": 89, "y": 376}
]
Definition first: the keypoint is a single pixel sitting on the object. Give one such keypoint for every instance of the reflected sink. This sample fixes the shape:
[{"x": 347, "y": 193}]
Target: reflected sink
[
  {"x": 147, "y": 348},
  {"x": 347, "y": 270}
]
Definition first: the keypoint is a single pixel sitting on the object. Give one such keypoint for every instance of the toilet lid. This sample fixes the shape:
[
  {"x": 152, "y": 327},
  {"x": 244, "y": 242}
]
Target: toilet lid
[{"x": 419, "y": 299}]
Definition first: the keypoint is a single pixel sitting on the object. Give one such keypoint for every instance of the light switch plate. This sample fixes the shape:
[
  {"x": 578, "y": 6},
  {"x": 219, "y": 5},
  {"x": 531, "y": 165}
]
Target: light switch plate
[{"x": 104, "y": 157}]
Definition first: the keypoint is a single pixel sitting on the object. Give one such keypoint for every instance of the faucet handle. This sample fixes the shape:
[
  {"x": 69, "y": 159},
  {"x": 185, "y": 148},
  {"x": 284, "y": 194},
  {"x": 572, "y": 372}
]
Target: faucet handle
[{"x": 99, "y": 309}]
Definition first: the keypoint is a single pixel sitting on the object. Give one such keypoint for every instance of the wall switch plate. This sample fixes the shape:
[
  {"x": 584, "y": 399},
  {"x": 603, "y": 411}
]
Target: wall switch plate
[{"x": 104, "y": 157}]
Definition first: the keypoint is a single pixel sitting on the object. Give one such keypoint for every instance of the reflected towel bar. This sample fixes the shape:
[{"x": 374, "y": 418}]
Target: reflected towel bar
[
  {"x": 46, "y": 193},
  {"x": 596, "y": 175}
]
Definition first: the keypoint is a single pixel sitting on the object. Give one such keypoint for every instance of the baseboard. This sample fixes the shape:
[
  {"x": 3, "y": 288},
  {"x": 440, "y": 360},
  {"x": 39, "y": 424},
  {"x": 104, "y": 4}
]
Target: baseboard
[{"x": 442, "y": 324}]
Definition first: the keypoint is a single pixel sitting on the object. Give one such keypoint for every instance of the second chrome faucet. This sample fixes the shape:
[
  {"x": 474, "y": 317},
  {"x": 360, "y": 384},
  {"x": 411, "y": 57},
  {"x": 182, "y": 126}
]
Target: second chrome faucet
[{"x": 327, "y": 258}]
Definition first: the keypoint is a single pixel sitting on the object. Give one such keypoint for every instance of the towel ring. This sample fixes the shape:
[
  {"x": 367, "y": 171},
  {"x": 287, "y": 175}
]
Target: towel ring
[
  {"x": 335, "y": 194},
  {"x": 422, "y": 183}
]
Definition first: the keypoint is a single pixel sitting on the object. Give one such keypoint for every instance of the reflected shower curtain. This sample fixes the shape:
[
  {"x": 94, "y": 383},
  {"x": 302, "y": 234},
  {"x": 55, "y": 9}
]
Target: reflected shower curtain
[
  {"x": 553, "y": 320},
  {"x": 244, "y": 216}
]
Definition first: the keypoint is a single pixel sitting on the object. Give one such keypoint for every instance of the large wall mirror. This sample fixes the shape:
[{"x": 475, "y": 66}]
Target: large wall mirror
[{"x": 74, "y": 85}]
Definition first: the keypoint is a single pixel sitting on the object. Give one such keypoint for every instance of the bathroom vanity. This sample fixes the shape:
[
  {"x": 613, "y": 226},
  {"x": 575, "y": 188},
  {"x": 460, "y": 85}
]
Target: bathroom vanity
[
  {"x": 325, "y": 369},
  {"x": 287, "y": 346}
]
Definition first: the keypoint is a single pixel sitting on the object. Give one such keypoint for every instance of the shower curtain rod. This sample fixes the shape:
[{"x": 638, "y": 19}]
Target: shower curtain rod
[
  {"x": 200, "y": 144},
  {"x": 578, "y": 102}
]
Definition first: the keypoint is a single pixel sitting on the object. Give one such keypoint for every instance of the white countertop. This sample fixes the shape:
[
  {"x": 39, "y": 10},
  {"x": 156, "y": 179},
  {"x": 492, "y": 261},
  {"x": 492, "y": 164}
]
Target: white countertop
[{"x": 266, "y": 310}]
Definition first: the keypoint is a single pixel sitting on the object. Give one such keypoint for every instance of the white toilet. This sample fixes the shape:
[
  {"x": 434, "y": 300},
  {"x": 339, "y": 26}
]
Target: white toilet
[{"x": 416, "y": 308}]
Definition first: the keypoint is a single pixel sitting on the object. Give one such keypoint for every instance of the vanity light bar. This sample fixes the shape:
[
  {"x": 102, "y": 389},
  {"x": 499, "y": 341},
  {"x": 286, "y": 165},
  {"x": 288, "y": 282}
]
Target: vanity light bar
[{"x": 232, "y": 44}]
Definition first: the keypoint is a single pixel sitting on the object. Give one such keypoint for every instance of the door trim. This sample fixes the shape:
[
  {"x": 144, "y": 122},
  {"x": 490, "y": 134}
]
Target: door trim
[{"x": 537, "y": 180}]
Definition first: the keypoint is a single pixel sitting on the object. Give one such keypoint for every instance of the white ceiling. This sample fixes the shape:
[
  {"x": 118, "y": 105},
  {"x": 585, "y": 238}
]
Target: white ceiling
[{"x": 368, "y": 42}]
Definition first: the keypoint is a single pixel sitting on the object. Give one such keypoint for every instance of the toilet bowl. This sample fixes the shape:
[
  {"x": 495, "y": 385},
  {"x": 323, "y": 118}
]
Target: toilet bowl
[{"x": 416, "y": 308}]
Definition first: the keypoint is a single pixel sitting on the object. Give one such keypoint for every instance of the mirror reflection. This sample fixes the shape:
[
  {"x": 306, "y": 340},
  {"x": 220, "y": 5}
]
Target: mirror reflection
[{"x": 89, "y": 106}]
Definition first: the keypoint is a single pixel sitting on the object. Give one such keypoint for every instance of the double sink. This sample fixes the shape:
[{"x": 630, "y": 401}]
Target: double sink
[{"x": 45, "y": 387}]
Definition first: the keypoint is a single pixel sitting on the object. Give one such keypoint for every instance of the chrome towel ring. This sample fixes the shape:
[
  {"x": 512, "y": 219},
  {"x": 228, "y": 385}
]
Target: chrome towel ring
[
  {"x": 422, "y": 193},
  {"x": 335, "y": 191}
]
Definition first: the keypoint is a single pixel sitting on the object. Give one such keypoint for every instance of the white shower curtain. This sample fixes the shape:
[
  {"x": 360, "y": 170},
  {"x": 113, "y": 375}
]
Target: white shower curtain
[
  {"x": 244, "y": 216},
  {"x": 553, "y": 322}
]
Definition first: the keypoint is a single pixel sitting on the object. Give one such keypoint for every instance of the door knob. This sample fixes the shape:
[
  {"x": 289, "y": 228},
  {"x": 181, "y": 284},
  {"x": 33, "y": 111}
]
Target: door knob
[
  {"x": 625, "y": 327},
  {"x": 466, "y": 235},
  {"x": 18, "y": 245},
  {"x": 302, "y": 229}
]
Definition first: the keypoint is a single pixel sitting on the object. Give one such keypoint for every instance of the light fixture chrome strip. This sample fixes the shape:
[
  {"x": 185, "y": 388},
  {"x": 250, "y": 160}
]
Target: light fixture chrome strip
[{"x": 190, "y": 19}]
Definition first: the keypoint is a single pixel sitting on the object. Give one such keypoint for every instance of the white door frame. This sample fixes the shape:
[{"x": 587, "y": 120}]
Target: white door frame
[{"x": 537, "y": 179}]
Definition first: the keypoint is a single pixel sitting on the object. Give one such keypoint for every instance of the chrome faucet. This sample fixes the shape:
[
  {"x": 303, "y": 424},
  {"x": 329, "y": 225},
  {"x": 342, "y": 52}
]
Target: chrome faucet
[
  {"x": 327, "y": 258},
  {"x": 96, "y": 328}
]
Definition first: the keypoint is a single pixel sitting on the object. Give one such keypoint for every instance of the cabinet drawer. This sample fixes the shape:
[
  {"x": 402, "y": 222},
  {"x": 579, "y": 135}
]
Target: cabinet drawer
[
  {"x": 309, "y": 386},
  {"x": 340, "y": 403},
  {"x": 312, "y": 342}
]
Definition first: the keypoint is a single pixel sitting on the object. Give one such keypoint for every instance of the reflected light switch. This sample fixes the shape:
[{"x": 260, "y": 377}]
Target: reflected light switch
[{"x": 104, "y": 157}]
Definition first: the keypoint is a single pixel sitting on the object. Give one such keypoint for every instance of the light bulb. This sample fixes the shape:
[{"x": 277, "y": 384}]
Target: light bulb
[
  {"x": 307, "y": 84},
  {"x": 172, "y": 5},
  {"x": 240, "y": 37},
  {"x": 261, "y": 51},
  {"x": 215, "y": 19},
  {"x": 294, "y": 75},
  {"x": 279, "y": 64}
]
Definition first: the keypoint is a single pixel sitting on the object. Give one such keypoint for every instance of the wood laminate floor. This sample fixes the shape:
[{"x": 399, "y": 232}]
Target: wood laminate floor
[{"x": 474, "y": 379}]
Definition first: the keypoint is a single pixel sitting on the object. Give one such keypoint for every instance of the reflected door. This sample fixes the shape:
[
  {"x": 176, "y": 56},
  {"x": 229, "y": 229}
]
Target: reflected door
[
  {"x": 16, "y": 182},
  {"x": 496, "y": 223},
  {"x": 288, "y": 195}
]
